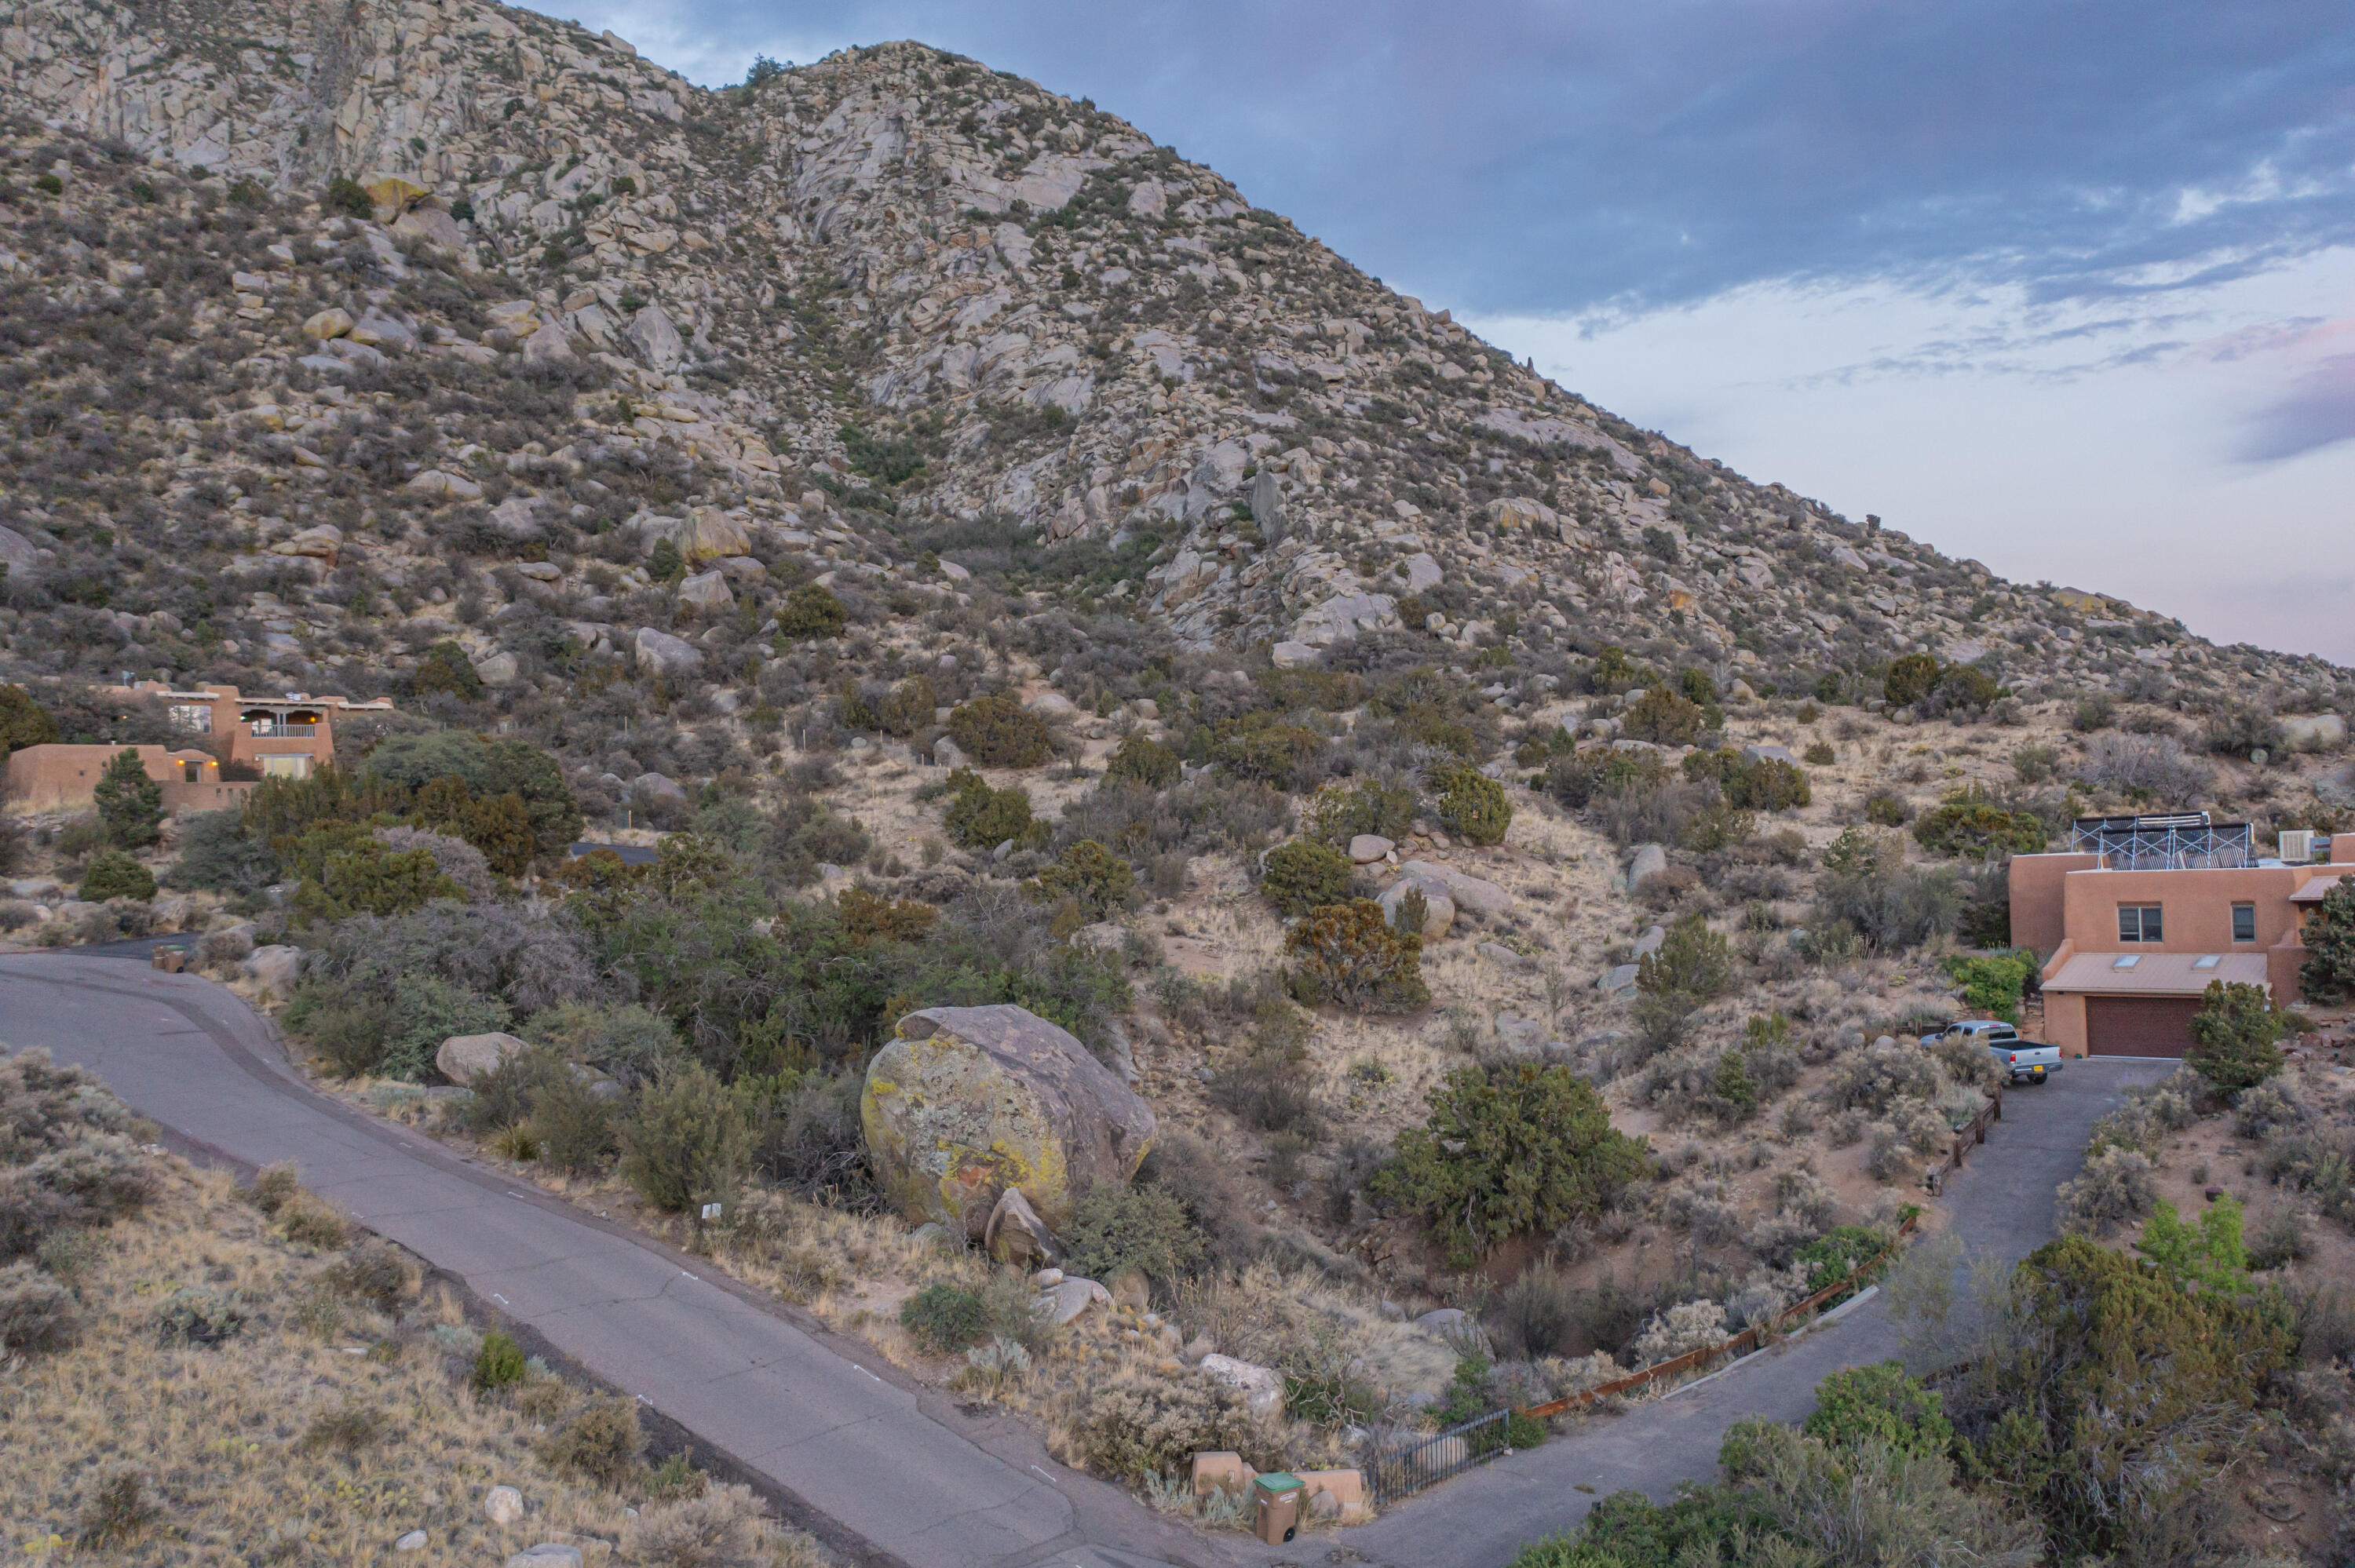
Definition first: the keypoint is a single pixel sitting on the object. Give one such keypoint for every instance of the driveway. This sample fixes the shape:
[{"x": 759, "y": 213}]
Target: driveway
[
  {"x": 897, "y": 1468},
  {"x": 2001, "y": 1204},
  {"x": 893, "y": 1466}
]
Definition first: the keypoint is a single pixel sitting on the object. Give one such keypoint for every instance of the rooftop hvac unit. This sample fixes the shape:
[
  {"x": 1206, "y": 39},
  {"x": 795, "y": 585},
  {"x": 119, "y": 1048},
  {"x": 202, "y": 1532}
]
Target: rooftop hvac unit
[{"x": 2298, "y": 845}]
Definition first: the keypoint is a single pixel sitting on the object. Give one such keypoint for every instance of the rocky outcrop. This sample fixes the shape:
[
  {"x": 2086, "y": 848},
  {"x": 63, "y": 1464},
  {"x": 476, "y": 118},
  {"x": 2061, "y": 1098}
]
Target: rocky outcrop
[
  {"x": 463, "y": 1058},
  {"x": 969, "y": 1101}
]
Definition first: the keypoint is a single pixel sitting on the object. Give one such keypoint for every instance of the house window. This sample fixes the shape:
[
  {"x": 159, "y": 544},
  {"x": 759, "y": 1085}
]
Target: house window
[
  {"x": 2244, "y": 922},
  {"x": 2138, "y": 923},
  {"x": 188, "y": 774},
  {"x": 196, "y": 718},
  {"x": 295, "y": 767}
]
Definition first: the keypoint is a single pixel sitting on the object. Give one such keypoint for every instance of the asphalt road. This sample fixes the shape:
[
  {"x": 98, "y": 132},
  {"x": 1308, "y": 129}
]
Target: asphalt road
[
  {"x": 2001, "y": 1204},
  {"x": 926, "y": 1489},
  {"x": 921, "y": 1483}
]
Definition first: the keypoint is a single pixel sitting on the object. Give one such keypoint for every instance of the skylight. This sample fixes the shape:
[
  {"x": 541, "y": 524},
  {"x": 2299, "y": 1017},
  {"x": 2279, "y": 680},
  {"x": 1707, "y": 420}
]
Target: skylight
[
  {"x": 2126, "y": 962},
  {"x": 2206, "y": 961}
]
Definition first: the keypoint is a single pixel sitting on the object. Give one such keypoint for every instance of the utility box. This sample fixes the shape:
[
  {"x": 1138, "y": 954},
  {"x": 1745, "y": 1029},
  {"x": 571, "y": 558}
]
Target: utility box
[
  {"x": 171, "y": 961},
  {"x": 1275, "y": 1507}
]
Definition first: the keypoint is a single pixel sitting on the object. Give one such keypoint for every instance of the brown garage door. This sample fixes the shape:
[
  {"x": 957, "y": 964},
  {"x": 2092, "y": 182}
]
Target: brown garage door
[{"x": 2139, "y": 1025}]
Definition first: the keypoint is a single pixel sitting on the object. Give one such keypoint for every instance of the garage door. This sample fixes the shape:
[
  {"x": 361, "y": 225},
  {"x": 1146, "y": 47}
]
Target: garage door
[{"x": 2139, "y": 1025}]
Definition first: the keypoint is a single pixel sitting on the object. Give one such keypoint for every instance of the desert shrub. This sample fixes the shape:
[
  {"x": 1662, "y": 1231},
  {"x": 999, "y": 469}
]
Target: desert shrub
[
  {"x": 1348, "y": 955},
  {"x": 365, "y": 876},
  {"x": 1141, "y": 759},
  {"x": 1304, "y": 875},
  {"x": 720, "y": 1527},
  {"x": 499, "y": 1362},
  {"x": 1908, "y": 679},
  {"x": 979, "y": 817},
  {"x": 1993, "y": 985},
  {"x": 870, "y": 916},
  {"x": 1877, "y": 1076},
  {"x": 1730, "y": 1083},
  {"x": 216, "y": 854},
  {"x": 1968, "y": 825},
  {"x": 2240, "y": 731},
  {"x": 1676, "y": 1331},
  {"x": 907, "y": 708},
  {"x": 809, "y": 611},
  {"x": 944, "y": 1317},
  {"x": 376, "y": 1273},
  {"x": 1880, "y": 1403},
  {"x": 1099, "y": 881},
  {"x": 311, "y": 1220},
  {"x": 199, "y": 1315},
  {"x": 2235, "y": 1037},
  {"x": 1473, "y": 806},
  {"x": 603, "y": 1443},
  {"x": 628, "y": 1043},
  {"x": 113, "y": 874},
  {"x": 1537, "y": 1314},
  {"x": 24, "y": 722},
  {"x": 1508, "y": 1152},
  {"x": 1750, "y": 784},
  {"x": 2076, "y": 1419},
  {"x": 2115, "y": 1185},
  {"x": 1691, "y": 966},
  {"x": 38, "y": 1313},
  {"x": 997, "y": 731},
  {"x": 805, "y": 834},
  {"x": 1138, "y": 1425},
  {"x": 2144, "y": 767},
  {"x": 1341, "y": 812},
  {"x": 686, "y": 1143},
  {"x": 1581, "y": 778},
  {"x": 1267, "y": 1084},
  {"x": 2261, "y": 1111},
  {"x": 1114, "y": 1227},
  {"x": 1666, "y": 717},
  {"x": 1867, "y": 890},
  {"x": 2329, "y": 973},
  {"x": 119, "y": 1511},
  {"x": 2281, "y": 1240},
  {"x": 1838, "y": 1253}
]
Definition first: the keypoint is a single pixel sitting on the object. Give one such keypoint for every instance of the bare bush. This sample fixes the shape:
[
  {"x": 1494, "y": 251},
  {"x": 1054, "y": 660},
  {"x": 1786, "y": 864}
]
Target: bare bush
[
  {"x": 2155, "y": 766},
  {"x": 2115, "y": 1186}
]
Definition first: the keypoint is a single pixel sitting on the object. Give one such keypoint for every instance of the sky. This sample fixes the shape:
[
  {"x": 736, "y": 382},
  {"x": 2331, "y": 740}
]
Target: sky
[{"x": 2065, "y": 286}]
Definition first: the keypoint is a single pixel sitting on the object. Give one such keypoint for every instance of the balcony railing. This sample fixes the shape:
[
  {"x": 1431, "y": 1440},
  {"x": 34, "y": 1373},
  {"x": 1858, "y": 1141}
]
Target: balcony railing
[
  {"x": 270, "y": 729},
  {"x": 2164, "y": 844}
]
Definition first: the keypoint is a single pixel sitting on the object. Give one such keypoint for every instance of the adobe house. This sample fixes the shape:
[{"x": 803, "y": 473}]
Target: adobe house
[
  {"x": 288, "y": 737},
  {"x": 2140, "y": 913}
]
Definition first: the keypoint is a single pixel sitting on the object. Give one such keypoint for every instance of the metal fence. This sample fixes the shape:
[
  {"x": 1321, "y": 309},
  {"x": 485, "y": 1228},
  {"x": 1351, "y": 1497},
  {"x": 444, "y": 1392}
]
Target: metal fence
[{"x": 1430, "y": 1460}]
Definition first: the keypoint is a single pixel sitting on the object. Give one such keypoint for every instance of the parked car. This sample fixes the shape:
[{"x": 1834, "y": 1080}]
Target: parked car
[{"x": 2020, "y": 1061}]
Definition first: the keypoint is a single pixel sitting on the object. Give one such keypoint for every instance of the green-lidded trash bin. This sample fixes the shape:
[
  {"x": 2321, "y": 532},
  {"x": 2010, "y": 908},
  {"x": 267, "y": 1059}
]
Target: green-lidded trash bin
[{"x": 1276, "y": 1497}]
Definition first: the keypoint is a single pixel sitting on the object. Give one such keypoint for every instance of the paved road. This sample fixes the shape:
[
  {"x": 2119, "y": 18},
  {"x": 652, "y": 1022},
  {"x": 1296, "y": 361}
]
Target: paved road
[
  {"x": 895, "y": 1466},
  {"x": 845, "y": 1442},
  {"x": 2001, "y": 1204}
]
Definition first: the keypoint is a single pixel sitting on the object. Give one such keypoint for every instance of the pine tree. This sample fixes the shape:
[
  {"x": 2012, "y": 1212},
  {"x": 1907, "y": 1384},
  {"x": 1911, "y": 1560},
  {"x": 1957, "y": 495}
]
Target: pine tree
[
  {"x": 2329, "y": 973},
  {"x": 130, "y": 803}
]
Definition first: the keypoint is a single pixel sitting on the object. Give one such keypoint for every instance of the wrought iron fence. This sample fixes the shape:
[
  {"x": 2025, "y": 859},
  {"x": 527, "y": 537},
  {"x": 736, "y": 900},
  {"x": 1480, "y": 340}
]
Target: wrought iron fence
[{"x": 1430, "y": 1460}]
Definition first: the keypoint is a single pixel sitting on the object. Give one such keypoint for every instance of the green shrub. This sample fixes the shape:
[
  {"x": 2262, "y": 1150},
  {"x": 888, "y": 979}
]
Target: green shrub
[
  {"x": 944, "y": 1317},
  {"x": 1339, "y": 812},
  {"x": 444, "y": 668},
  {"x": 907, "y": 708},
  {"x": 1099, "y": 881},
  {"x": 2235, "y": 1037},
  {"x": 997, "y": 731},
  {"x": 1759, "y": 784},
  {"x": 687, "y": 1144},
  {"x": 2210, "y": 1253},
  {"x": 1909, "y": 680},
  {"x": 24, "y": 722},
  {"x": 1257, "y": 746},
  {"x": 1967, "y": 824},
  {"x": 979, "y": 817},
  {"x": 216, "y": 856},
  {"x": 1820, "y": 754},
  {"x": 2329, "y": 973},
  {"x": 367, "y": 878},
  {"x": 1348, "y": 955},
  {"x": 113, "y": 874},
  {"x": 1665, "y": 717},
  {"x": 603, "y": 1442},
  {"x": 1509, "y": 1152},
  {"x": 129, "y": 803},
  {"x": 1838, "y": 1253},
  {"x": 374, "y": 1272},
  {"x": 809, "y": 611},
  {"x": 1303, "y": 874},
  {"x": 664, "y": 562},
  {"x": 1143, "y": 760},
  {"x": 498, "y": 1363},
  {"x": 346, "y": 195},
  {"x": 1880, "y": 1403},
  {"x": 1115, "y": 1226},
  {"x": 1993, "y": 985},
  {"x": 1691, "y": 966},
  {"x": 1473, "y": 806}
]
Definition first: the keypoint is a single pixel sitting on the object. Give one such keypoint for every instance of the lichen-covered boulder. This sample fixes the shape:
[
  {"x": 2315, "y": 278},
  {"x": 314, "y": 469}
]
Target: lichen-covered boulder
[{"x": 969, "y": 1101}]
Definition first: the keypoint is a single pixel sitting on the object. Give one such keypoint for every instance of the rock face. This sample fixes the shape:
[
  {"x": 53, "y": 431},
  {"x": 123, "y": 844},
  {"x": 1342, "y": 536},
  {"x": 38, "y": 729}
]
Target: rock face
[
  {"x": 666, "y": 655},
  {"x": 1438, "y": 908},
  {"x": 1469, "y": 892},
  {"x": 1650, "y": 861},
  {"x": 969, "y": 1101},
  {"x": 1262, "y": 1388},
  {"x": 463, "y": 1058},
  {"x": 274, "y": 968},
  {"x": 1367, "y": 848}
]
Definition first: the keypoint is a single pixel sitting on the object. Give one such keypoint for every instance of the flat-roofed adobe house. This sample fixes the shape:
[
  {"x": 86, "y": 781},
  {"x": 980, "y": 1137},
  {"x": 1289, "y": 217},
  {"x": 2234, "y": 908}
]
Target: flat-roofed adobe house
[
  {"x": 243, "y": 738},
  {"x": 2141, "y": 914}
]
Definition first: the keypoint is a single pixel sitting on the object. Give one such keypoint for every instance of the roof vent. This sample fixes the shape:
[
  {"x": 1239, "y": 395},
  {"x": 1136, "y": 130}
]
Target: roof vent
[
  {"x": 2206, "y": 961},
  {"x": 2298, "y": 845},
  {"x": 2126, "y": 962}
]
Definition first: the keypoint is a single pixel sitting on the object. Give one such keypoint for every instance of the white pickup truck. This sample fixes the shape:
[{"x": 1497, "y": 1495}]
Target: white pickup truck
[{"x": 2020, "y": 1061}]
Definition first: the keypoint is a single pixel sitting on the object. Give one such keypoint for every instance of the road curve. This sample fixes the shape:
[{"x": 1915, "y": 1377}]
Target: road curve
[
  {"x": 845, "y": 1442},
  {"x": 2001, "y": 1204}
]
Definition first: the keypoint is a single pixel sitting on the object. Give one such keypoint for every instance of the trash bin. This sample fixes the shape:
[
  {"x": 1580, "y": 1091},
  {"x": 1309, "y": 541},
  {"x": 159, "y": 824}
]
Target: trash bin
[
  {"x": 171, "y": 959},
  {"x": 1276, "y": 1497}
]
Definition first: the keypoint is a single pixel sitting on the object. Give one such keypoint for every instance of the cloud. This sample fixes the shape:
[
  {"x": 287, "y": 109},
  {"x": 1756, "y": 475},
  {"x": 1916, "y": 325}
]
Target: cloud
[{"x": 2317, "y": 412}]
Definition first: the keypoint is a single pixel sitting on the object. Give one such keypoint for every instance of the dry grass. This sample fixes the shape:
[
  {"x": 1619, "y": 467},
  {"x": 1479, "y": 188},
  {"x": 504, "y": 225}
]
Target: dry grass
[{"x": 319, "y": 1433}]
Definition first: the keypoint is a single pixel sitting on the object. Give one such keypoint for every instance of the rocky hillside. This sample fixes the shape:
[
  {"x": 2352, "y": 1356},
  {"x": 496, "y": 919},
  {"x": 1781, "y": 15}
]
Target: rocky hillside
[{"x": 892, "y": 320}]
